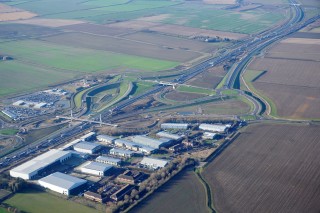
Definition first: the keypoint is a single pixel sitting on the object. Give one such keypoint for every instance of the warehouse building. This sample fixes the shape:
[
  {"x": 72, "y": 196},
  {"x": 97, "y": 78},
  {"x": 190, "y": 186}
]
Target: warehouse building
[
  {"x": 87, "y": 147},
  {"x": 121, "y": 152},
  {"x": 183, "y": 126},
  {"x": 40, "y": 105},
  {"x": 18, "y": 103},
  {"x": 146, "y": 150},
  {"x": 209, "y": 135},
  {"x": 214, "y": 127},
  {"x": 126, "y": 144},
  {"x": 62, "y": 183},
  {"x": 153, "y": 163},
  {"x": 10, "y": 114},
  {"x": 89, "y": 136},
  {"x": 95, "y": 168},
  {"x": 106, "y": 139},
  {"x": 32, "y": 168},
  {"x": 175, "y": 137},
  {"x": 109, "y": 160},
  {"x": 151, "y": 142}
]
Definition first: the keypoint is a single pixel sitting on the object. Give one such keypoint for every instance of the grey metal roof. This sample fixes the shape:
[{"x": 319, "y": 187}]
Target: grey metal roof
[
  {"x": 169, "y": 135},
  {"x": 97, "y": 166},
  {"x": 147, "y": 141},
  {"x": 154, "y": 162},
  {"x": 106, "y": 137},
  {"x": 41, "y": 161},
  {"x": 177, "y": 125},
  {"x": 124, "y": 151},
  {"x": 86, "y": 145},
  {"x": 63, "y": 180},
  {"x": 108, "y": 159}
]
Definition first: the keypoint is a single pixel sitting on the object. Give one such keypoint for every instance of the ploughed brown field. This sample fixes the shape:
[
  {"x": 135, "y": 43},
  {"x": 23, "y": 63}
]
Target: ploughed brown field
[
  {"x": 183, "y": 193},
  {"x": 146, "y": 23},
  {"x": 268, "y": 168},
  {"x": 292, "y": 80},
  {"x": 170, "y": 41},
  {"x": 209, "y": 79},
  {"x": 96, "y": 29},
  {"x": 183, "y": 96}
]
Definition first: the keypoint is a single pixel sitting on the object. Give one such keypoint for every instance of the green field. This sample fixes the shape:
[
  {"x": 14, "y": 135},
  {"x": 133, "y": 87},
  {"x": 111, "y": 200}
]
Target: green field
[
  {"x": 140, "y": 87},
  {"x": 38, "y": 64},
  {"x": 223, "y": 20},
  {"x": 2, "y": 210},
  {"x": 19, "y": 77},
  {"x": 97, "y": 10},
  {"x": 40, "y": 202},
  {"x": 8, "y": 131},
  {"x": 198, "y": 90}
]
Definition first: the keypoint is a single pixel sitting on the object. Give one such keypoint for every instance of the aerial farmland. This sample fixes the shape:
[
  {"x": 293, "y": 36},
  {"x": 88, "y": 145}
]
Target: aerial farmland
[{"x": 159, "y": 106}]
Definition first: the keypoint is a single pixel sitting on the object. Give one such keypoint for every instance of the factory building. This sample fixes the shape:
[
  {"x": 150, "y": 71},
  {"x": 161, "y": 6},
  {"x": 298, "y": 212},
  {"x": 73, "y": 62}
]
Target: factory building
[
  {"x": 183, "y": 126},
  {"x": 95, "y": 168},
  {"x": 175, "y": 137},
  {"x": 214, "y": 127},
  {"x": 153, "y": 163},
  {"x": 32, "y": 168},
  {"x": 108, "y": 160},
  {"x": 121, "y": 152},
  {"x": 87, "y": 147},
  {"x": 106, "y": 139},
  {"x": 209, "y": 135},
  {"x": 151, "y": 142},
  {"x": 62, "y": 183},
  {"x": 89, "y": 136}
]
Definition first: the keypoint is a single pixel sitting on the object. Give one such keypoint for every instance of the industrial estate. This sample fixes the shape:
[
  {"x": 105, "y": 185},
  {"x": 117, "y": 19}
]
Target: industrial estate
[{"x": 159, "y": 106}]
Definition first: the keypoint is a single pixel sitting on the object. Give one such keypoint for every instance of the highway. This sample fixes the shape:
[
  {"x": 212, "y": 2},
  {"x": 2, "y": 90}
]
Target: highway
[{"x": 245, "y": 49}]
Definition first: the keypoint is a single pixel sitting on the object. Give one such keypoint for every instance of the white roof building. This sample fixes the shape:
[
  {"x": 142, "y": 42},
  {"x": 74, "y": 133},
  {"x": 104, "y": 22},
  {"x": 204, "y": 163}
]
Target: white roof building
[
  {"x": 18, "y": 103},
  {"x": 30, "y": 169},
  {"x": 208, "y": 135},
  {"x": 108, "y": 160},
  {"x": 151, "y": 142},
  {"x": 86, "y": 147},
  {"x": 121, "y": 152},
  {"x": 174, "y": 126},
  {"x": 40, "y": 105},
  {"x": 95, "y": 168},
  {"x": 61, "y": 183},
  {"x": 214, "y": 127},
  {"x": 106, "y": 138},
  {"x": 10, "y": 114},
  {"x": 164, "y": 134},
  {"x": 153, "y": 163}
]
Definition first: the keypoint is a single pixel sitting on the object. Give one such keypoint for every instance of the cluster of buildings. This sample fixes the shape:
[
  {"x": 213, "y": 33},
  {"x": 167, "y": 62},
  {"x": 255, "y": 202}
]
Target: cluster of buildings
[
  {"x": 92, "y": 149},
  {"x": 34, "y": 104},
  {"x": 45, "y": 169}
]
